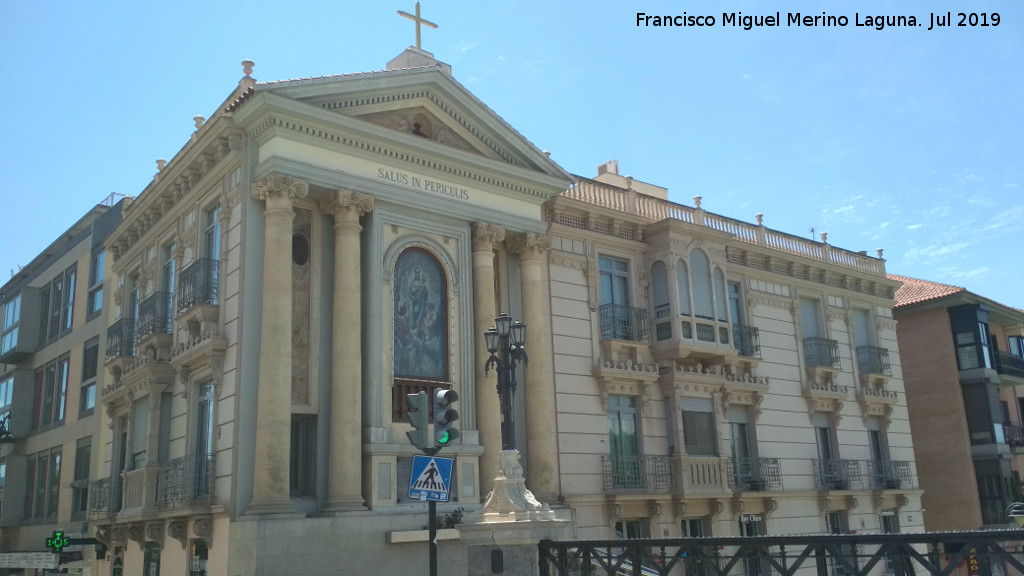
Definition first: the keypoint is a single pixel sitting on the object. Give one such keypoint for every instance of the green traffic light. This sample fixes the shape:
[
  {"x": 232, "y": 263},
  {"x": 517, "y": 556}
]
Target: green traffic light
[{"x": 443, "y": 439}]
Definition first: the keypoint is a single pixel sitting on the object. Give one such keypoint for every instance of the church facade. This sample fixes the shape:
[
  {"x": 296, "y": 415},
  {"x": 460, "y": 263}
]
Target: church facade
[{"x": 322, "y": 247}]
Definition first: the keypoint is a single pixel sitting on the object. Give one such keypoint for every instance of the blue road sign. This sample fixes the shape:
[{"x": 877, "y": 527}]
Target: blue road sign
[{"x": 431, "y": 478}]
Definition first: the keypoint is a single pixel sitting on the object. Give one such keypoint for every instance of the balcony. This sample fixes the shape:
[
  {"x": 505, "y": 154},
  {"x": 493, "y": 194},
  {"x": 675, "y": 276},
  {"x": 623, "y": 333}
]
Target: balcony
[
  {"x": 873, "y": 360},
  {"x": 185, "y": 480},
  {"x": 197, "y": 284},
  {"x": 693, "y": 474},
  {"x": 635, "y": 473},
  {"x": 154, "y": 315},
  {"x": 746, "y": 340},
  {"x": 620, "y": 322},
  {"x": 821, "y": 352},
  {"x": 890, "y": 475},
  {"x": 835, "y": 474},
  {"x": 1009, "y": 365},
  {"x": 754, "y": 474},
  {"x": 121, "y": 339},
  {"x": 1014, "y": 435},
  {"x": 100, "y": 504}
]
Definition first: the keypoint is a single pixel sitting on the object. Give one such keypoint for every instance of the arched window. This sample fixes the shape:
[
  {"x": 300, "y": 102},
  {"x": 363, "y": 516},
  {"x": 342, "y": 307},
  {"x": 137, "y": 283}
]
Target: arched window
[
  {"x": 421, "y": 312},
  {"x": 720, "y": 301},
  {"x": 683, "y": 282},
  {"x": 703, "y": 304}
]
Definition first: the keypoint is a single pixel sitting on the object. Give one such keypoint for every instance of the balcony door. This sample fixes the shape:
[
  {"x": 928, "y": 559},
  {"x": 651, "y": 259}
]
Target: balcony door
[
  {"x": 617, "y": 320},
  {"x": 746, "y": 469},
  {"x": 204, "y": 441},
  {"x": 828, "y": 468},
  {"x": 624, "y": 442},
  {"x": 168, "y": 287}
]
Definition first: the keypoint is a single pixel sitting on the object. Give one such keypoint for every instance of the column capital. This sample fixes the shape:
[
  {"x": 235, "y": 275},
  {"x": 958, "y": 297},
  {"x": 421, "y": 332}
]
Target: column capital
[
  {"x": 484, "y": 232},
  {"x": 279, "y": 186},
  {"x": 361, "y": 204},
  {"x": 529, "y": 244}
]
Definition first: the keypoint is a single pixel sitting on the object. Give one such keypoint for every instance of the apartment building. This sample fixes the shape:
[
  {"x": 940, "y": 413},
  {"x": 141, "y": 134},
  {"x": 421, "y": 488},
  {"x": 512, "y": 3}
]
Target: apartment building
[
  {"x": 714, "y": 376},
  {"x": 964, "y": 358},
  {"x": 54, "y": 322}
]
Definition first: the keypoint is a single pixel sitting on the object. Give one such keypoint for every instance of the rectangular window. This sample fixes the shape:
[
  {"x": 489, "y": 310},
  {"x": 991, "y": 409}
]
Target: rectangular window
[
  {"x": 43, "y": 483},
  {"x": 140, "y": 432},
  {"x": 97, "y": 268},
  {"x": 624, "y": 443},
  {"x": 699, "y": 427},
  {"x": 1016, "y": 346},
  {"x": 303, "y": 456},
  {"x": 69, "y": 300},
  {"x": 56, "y": 306},
  {"x": 90, "y": 367},
  {"x": 12, "y": 316},
  {"x": 51, "y": 392},
  {"x": 6, "y": 393},
  {"x": 80, "y": 484}
]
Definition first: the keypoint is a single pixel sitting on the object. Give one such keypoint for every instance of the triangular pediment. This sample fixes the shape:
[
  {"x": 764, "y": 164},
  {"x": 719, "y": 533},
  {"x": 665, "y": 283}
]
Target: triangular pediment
[{"x": 422, "y": 103}]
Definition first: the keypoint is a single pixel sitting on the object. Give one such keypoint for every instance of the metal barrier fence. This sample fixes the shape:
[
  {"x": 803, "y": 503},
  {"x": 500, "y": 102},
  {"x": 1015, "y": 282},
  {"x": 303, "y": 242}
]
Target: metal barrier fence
[{"x": 988, "y": 552}]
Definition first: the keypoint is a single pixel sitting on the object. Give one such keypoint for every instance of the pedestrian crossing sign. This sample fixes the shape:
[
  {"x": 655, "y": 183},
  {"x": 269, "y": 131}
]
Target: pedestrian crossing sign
[{"x": 431, "y": 478}]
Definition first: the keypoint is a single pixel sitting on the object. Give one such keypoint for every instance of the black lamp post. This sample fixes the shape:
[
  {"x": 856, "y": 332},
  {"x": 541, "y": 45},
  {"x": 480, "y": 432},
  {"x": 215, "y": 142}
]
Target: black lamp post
[
  {"x": 506, "y": 344},
  {"x": 6, "y": 438}
]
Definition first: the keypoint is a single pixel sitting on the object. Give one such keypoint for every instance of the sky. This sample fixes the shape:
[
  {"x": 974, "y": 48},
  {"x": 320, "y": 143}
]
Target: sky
[{"x": 904, "y": 138}]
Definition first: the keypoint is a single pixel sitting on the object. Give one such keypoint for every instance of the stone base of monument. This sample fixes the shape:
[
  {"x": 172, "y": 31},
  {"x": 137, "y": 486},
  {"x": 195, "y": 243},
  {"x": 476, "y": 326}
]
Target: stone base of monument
[{"x": 503, "y": 537}]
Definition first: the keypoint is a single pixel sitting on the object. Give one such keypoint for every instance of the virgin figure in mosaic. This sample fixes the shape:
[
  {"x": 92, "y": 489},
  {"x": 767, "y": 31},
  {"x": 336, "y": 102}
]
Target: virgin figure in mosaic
[{"x": 420, "y": 313}]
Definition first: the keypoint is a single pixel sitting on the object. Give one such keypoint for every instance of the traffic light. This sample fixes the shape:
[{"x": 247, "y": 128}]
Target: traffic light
[
  {"x": 444, "y": 415},
  {"x": 416, "y": 412}
]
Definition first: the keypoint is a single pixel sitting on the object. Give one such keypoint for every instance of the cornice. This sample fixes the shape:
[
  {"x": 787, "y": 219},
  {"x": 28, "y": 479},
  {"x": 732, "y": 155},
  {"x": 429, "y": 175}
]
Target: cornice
[{"x": 200, "y": 161}]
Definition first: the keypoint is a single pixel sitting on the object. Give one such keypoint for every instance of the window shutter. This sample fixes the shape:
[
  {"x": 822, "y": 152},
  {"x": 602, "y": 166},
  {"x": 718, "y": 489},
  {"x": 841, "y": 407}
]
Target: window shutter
[
  {"x": 140, "y": 425},
  {"x": 163, "y": 453},
  {"x": 690, "y": 404}
]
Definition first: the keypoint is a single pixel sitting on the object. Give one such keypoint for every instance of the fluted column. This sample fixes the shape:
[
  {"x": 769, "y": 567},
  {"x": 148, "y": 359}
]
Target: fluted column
[
  {"x": 344, "y": 488},
  {"x": 270, "y": 489},
  {"x": 538, "y": 389},
  {"x": 488, "y": 409}
]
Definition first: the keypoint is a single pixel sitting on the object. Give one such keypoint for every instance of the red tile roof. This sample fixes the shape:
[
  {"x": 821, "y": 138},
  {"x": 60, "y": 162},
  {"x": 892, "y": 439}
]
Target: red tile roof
[{"x": 914, "y": 291}]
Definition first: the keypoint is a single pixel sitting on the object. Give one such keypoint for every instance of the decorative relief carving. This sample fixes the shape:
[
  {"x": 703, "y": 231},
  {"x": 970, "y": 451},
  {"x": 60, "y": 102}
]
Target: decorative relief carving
[
  {"x": 626, "y": 378},
  {"x": 155, "y": 532},
  {"x": 137, "y": 534},
  {"x": 615, "y": 510},
  {"x": 360, "y": 204},
  {"x": 654, "y": 509},
  {"x": 716, "y": 507},
  {"x": 484, "y": 232},
  {"x": 278, "y": 186},
  {"x": 824, "y": 504},
  {"x": 203, "y": 528},
  {"x": 680, "y": 508},
  {"x": 522, "y": 243},
  {"x": 852, "y": 502},
  {"x": 177, "y": 529},
  {"x": 119, "y": 535}
]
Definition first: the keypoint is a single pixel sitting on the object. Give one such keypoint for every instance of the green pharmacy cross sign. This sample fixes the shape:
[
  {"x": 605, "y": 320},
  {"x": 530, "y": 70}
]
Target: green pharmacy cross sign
[{"x": 57, "y": 542}]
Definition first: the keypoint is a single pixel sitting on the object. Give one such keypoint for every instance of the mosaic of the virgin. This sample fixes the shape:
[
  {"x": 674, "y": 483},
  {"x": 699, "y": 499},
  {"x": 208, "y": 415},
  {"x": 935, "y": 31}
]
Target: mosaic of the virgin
[{"x": 420, "y": 312}]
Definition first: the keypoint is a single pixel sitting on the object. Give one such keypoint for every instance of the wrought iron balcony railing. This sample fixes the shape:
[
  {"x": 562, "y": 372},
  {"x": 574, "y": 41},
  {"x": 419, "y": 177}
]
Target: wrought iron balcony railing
[
  {"x": 100, "y": 503},
  {"x": 619, "y": 322},
  {"x": 754, "y": 474},
  {"x": 121, "y": 338},
  {"x": 890, "y": 474},
  {"x": 1009, "y": 364},
  {"x": 746, "y": 340},
  {"x": 184, "y": 480},
  {"x": 1014, "y": 434},
  {"x": 873, "y": 360},
  {"x": 198, "y": 284},
  {"x": 835, "y": 474},
  {"x": 155, "y": 315},
  {"x": 642, "y": 473},
  {"x": 821, "y": 352}
]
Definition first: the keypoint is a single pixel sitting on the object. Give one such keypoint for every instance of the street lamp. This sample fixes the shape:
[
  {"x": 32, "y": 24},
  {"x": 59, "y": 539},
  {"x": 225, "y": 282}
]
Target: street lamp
[
  {"x": 6, "y": 438},
  {"x": 506, "y": 345}
]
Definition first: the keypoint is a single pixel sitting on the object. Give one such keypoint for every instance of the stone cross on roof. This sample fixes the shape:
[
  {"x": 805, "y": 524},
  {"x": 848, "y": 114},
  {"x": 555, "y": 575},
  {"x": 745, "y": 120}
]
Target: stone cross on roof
[{"x": 416, "y": 18}]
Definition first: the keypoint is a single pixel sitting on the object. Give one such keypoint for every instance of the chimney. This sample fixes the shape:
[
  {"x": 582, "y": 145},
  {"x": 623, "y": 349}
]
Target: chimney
[{"x": 609, "y": 166}]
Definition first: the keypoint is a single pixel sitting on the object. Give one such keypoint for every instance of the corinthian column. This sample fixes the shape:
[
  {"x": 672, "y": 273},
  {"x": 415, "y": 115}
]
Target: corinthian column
[
  {"x": 539, "y": 389},
  {"x": 270, "y": 491},
  {"x": 344, "y": 488},
  {"x": 488, "y": 410}
]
